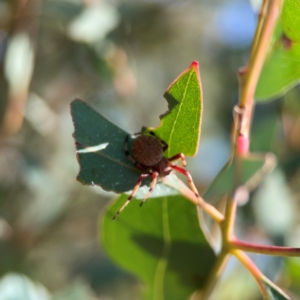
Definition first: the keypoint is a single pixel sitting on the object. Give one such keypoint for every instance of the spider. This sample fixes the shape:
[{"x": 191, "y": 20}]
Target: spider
[{"x": 147, "y": 156}]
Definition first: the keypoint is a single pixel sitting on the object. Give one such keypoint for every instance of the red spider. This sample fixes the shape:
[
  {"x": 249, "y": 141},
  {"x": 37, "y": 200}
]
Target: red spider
[{"x": 148, "y": 156}]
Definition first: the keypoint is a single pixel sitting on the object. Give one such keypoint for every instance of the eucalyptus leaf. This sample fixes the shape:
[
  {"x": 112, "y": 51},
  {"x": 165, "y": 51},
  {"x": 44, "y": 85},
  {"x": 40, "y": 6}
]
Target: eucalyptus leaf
[
  {"x": 281, "y": 70},
  {"x": 161, "y": 243},
  {"x": 100, "y": 150},
  {"x": 180, "y": 126},
  {"x": 225, "y": 179}
]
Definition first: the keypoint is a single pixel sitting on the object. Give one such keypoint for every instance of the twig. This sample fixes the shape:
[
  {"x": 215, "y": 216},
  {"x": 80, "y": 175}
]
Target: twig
[{"x": 265, "y": 249}]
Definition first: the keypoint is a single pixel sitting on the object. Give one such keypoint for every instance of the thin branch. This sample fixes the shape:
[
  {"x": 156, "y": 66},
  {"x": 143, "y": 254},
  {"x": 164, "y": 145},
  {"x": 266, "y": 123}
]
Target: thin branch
[
  {"x": 261, "y": 17},
  {"x": 264, "y": 249},
  {"x": 252, "y": 268},
  {"x": 243, "y": 115},
  {"x": 23, "y": 29},
  {"x": 186, "y": 192},
  {"x": 251, "y": 76},
  {"x": 257, "y": 274}
]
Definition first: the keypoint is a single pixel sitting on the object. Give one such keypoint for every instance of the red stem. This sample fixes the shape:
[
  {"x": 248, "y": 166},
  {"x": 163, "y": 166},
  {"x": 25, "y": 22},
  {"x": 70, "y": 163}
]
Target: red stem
[
  {"x": 253, "y": 269},
  {"x": 264, "y": 249}
]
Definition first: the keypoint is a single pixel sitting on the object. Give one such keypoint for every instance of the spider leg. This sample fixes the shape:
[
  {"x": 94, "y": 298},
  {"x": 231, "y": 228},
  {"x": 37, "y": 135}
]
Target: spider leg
[
  {"x": 152, "y": 186},
  {"x": 189, "y": 178},
  {"x": 136, "y": 187},
  {"x": 164, "y": 144},
  {"x": 179, "y": 156},
  {"x": 138, "y": 133}
]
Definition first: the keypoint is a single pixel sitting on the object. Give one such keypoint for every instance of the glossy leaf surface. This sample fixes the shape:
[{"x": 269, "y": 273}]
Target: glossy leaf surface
[
  {"x": 161, "y": 243},
  {"x": 180, "y": 126},
  {"x": 281, "y": 70}
]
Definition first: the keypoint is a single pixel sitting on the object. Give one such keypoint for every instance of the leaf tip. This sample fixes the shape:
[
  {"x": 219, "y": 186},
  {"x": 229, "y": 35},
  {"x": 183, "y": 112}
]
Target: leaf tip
[
  {"x": 75, "y": 100},
  {"x": 195, "y": 65}
]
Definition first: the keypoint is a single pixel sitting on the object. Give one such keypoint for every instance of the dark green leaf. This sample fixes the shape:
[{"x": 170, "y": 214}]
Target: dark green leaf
[
  {"x": 180, "y": 126},
  {"x": 161, "y": 243},
  {"x": 100, "y": 150},
  {"x": 281, "y": 70}
]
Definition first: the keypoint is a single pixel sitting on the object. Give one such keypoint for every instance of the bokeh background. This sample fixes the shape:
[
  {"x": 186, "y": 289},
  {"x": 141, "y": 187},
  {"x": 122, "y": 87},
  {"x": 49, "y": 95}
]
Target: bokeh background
[{"x": 120, "y": 56}]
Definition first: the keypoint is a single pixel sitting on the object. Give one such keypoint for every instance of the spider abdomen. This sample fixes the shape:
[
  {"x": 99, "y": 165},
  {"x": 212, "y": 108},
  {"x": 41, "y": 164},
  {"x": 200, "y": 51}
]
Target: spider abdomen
[{"x": 147, "y": 150}]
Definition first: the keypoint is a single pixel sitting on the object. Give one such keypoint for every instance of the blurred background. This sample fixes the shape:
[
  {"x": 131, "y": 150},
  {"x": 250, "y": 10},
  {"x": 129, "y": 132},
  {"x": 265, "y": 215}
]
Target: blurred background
[{"x": 120, "y": 56}]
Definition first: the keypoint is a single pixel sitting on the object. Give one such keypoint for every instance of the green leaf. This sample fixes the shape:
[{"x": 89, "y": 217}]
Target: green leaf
[
  {"x": 292, "y": 271},
  {"x": 281, "y": 70},
  {"x": 161, "y": 243},
  {"x": 290, "y": 19},
  {"x": 180, "y": 126},
  {"x": 100, "y": 150},
  {"x": 224, "y": 180},
  {"x": 275, "y": 293}
]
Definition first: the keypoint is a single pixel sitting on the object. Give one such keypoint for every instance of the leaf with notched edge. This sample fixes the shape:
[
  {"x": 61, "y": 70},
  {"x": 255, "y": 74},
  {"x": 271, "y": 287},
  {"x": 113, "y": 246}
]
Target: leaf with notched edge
[
  {"x": 180, "y": 126},
  {"x": 100, "y": 143},
  {"x": 100, "y": 150},
  {"x": 101, "y": 156}
]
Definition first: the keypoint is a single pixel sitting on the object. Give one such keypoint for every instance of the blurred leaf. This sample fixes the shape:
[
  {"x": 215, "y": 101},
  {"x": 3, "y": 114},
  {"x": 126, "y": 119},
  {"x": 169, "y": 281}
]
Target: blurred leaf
[
  {"x": 290, "y": 20},
  {"x": 263, "y": 140},
  {"x": 100, "y": 150},
  {"x": 94, "y": 23},
  {"x": 161, "y": 243},
  {"x": 224, "y": 180},
  {"x": 275, "y": 293},
  {"x": 293, "y": 271},
  {"x": 20, "y": 287},
  {"x": 239, "y": 280},
  {"x": 180, "y": 126},
  {"x": 61, "y": 12},
  {"x": 77, "y": 291},
  {"x": 275, "y": 197},
  {"x": 281, "y": 70}
]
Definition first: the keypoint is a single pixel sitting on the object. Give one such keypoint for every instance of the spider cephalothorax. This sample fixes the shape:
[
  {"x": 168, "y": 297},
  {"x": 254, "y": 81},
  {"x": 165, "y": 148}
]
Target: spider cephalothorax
[{"x": 147, "y": 155}]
